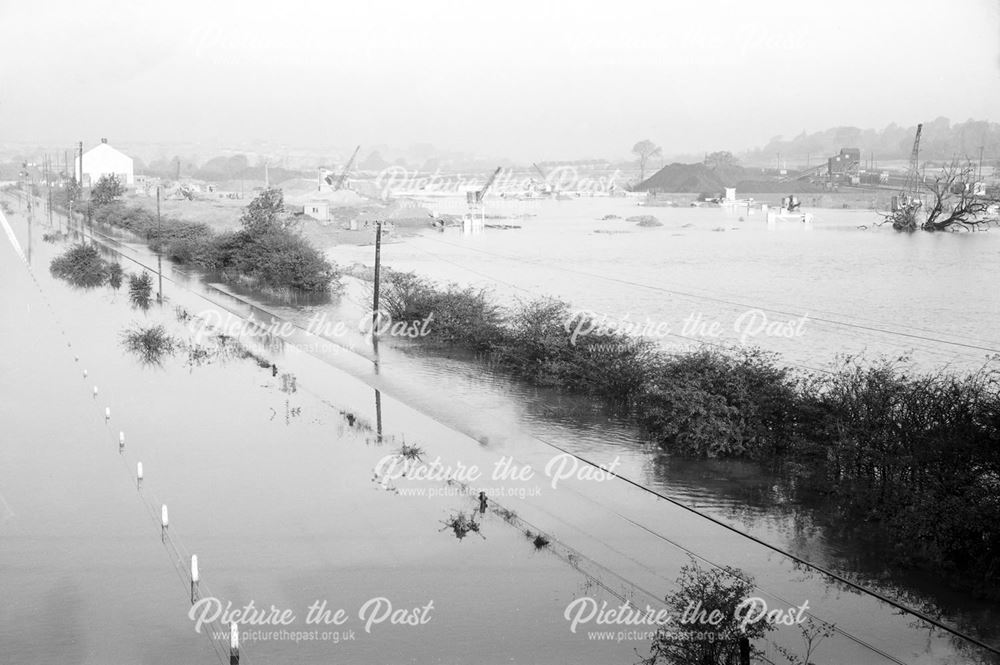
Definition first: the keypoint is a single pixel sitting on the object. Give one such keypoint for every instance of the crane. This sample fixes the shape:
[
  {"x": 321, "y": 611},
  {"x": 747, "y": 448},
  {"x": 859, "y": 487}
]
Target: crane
[
  {"x": 913, "y": 174},
  {"x": 476, "y": 197},
  {"x": 339, "y": 183},
  {"x": 906, "y": 206}
]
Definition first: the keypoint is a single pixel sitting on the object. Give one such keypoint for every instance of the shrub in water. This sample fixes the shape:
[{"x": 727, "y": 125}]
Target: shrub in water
[
  {"x": 462, "y": 525},
  {"x": 151, "y": 344},
  {"x": 409, "y": 452},
  {"x": 140, "y": 290},
  {"x": 464, "y": 316},
  {"x": 919, "y": 455},
  {"x": 716, "y": 404},
  {"x": 115, "y": 274},
  {"x": 81, "y": 265},
  {"x": 719, "y": 590}
]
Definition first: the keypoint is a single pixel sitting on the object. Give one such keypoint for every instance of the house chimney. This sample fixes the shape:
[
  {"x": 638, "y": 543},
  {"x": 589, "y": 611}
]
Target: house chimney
[{"x": 104, "y": 140}]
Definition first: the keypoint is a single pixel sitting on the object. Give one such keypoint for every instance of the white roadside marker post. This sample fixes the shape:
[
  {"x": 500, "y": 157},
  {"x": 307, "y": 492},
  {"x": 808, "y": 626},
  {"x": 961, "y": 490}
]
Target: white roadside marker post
[
  {"x": 194, "y": 578},
  {"x": 234, "y": 644}
]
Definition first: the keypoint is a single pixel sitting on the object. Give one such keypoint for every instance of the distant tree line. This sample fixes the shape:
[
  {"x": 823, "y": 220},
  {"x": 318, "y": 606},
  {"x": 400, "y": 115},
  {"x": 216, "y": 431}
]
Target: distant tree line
[{"x": 941, "y": 140}]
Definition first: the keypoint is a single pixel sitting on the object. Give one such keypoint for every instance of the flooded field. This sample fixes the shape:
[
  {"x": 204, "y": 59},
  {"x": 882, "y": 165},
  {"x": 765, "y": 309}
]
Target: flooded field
[
  {"x": 862, "y": 289},
  {"x": 271, "y": 474}
]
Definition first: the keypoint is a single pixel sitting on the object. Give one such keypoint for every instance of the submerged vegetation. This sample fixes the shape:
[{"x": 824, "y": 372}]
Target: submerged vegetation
[
  {"x": 913, "y": 456},
  {"x": 81, "y": 265},
  {"x": 411, "y": 452},
  {"x": 462, "y": 524},
  {"x": 151, "y": 343},
  {"x": 140, "y": 290},
  {"x": 115, "y": 275},
  {"x": 538, "y": 540}
]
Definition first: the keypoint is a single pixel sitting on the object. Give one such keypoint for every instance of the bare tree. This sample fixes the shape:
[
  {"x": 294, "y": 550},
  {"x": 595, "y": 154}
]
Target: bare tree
[
  {"x": 645, "y": 150},
  {"x": 953, "y": 202},
  {"x": 956, "y": 201}
]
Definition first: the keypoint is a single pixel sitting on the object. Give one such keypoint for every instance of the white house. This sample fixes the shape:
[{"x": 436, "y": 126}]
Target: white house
[{"x": 102, "y": 160}]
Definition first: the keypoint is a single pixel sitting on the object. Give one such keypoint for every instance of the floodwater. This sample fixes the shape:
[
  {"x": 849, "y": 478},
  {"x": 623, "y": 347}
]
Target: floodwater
[
  {"x": 862, "y": 290},
  {"x": 273, "y": 489}
]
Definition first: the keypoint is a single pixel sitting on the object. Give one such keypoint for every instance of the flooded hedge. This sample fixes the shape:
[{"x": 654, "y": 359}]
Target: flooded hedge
[
  {"x": 82, "y": 265},
  {"x": 270, "y": 256},
  {"x": 915, "y": 455}
]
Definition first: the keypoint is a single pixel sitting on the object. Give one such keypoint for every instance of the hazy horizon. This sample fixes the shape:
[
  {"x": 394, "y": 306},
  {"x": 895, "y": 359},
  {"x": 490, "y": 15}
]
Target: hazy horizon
[{"x": 527, "y": 82}]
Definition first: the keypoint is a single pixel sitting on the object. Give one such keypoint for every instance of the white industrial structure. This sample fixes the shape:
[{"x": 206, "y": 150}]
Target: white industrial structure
[{"x": 103, "y": 160}]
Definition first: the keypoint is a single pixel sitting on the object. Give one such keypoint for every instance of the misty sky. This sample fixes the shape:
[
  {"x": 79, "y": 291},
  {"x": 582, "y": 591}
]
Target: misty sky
[{"x": 525, "y": 80}]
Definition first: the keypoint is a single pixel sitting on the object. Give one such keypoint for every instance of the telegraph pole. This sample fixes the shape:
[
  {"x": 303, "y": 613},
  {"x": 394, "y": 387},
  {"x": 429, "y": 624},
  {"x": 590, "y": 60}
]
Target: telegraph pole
[
  {"x": 378, "y": 265},
  {"x": 159, "y": 245}
]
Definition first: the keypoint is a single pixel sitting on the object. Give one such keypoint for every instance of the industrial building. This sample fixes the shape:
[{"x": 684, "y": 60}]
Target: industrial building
[{"x": 844, "y": 163}]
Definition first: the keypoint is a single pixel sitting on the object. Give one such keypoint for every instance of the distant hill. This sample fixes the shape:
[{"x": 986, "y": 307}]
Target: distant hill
[{"x": 940, "y": 140}]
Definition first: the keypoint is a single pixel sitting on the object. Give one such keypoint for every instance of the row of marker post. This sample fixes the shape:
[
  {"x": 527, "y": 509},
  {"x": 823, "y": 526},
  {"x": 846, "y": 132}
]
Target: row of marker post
[{"x": 234, "y": 634}]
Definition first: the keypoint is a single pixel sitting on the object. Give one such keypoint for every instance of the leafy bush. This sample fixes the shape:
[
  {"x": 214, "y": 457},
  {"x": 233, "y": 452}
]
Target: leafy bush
[
  {"x": 107, "y": 190},
  {"x": 538, "y": 344},
  {"x": 695, "y": 640},
  {"x": 919, "y": 455},
  {"x": 720, "y": 404},
  {"x": 115, "y": 274},
  {"x": 140, "y": 290},
  {"x": 81, "y": 265},
  {"x": 463, "y": 316},
  {"x": 281, "y": 258},
  {"x": 136, "y": 219}
]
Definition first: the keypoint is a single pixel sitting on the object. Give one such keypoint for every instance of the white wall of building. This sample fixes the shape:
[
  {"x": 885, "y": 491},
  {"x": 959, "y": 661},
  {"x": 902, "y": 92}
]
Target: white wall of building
[{"x": 104, "y": 160}]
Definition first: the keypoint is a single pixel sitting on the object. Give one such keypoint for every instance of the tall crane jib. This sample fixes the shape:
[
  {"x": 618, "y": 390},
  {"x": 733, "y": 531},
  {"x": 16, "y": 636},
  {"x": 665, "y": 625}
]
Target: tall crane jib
[
  {"x": 913, "y": 175},
  {"x": 906, "y": 206},
  {"x": 476, "y": 197},
  {"x": 341, "y": 180}
]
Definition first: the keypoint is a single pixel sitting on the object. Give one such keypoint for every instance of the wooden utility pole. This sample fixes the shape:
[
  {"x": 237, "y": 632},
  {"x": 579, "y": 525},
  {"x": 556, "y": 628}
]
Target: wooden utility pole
[
  {"x": 744, "y": 646},
  {"x": 378, "y": 415},
  {"x": 159, "y": 246},
  {"x": 81, "y": 168},
  {"x": 31, "y": 214},
  {"x": 378, "y": 265}
]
